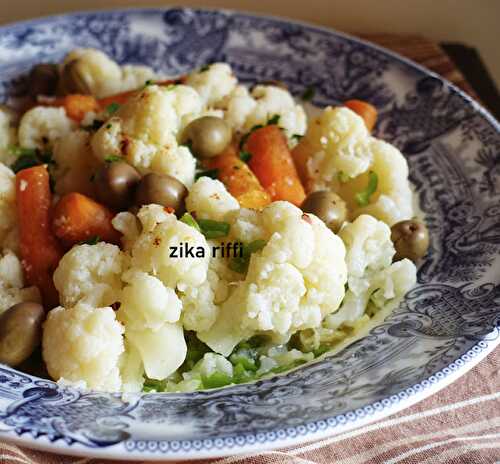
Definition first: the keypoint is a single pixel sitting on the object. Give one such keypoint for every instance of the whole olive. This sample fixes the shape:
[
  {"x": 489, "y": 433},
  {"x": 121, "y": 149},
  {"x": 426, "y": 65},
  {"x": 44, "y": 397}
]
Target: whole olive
[
  {"x": 209, "y": 136},
  {"x": 43, "y": 79},
  {"x": 75, "y": 78},
  {"x": 411, "y": 240},
  {"x": 161, "y": 189},
  {"x": 328, "y": 206},
  {"x": 20, "y": 332},
  {"x": 115, "y": 184}
]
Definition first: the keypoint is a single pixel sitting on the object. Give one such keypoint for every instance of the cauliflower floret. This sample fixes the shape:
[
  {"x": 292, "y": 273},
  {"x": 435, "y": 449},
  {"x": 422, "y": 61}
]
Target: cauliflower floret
[
  {"x": 153, "y": 252},
  {"x": 147, "y": 303},
  {"x": 162, "y": 351},
  {"x": 12, "y": 283},
  {"x": 237, "y": 107},
  {"x": 336, "y": 145},
  {"x": 84, "y": 343},
  {"x": 90, "y": 274},
  {"x": 74, "y": 164},
  {"x": 129, "y": 226},
  {"x": 392, "y": 202},
  {"x": 272, "y": 101},
  {"x": 371, "y": 274},
  {"x": 102, "y": 75},
  {"x": 212, "y": 363},
  {"x": 7, "y": 203},
  {"x": 213, "y": 82},
  {"x": 135, "y": 76},
  {"x": 131, "y": 369},
  {"x": 144, "y": 131},
  {"x": 209, "y": 199},
  {"x": 42, "y": 126},
  {"x": 301, "y": 255},
  {"x": 8, "y": 134}
]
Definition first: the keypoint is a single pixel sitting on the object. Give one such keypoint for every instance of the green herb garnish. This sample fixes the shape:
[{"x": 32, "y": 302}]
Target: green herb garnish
[
  {"x": 212, "y": 173},
  {"x": 213, "y": 229},
  {"x": 154, "y": 385},
  {"x": 240, "y": 264},
  {"x": 190, "y": 221},
  {"x": 309, "y": 93},
  {"x": 148, "y": 83},
  {"x": 204, "y": 68},
  {"x": 91, "y": 241},
  {"x": 363, "y": 198},
  {"x": 343, "y": 177},
  {"x": 216, "y": 380},
  {"x": 273, "y": 120},
  {"x": 245, "y": 156},
  {"x": 29, "y": 157},
  {"x": 112, "y": 158},
  {"x": 297, "y": 137},
  {"x": 112, "y": 108}
]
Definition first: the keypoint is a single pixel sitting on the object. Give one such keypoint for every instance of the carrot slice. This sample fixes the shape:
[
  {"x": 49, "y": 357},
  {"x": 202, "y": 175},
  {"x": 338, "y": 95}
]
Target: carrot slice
[
  {"x": 273, "y": 165},
  {"x": 239, "y": 179},
  {"x": 78, "y": 218},
  {"x": 367, "y": 111},
  {"x": 40, "y": 250}
]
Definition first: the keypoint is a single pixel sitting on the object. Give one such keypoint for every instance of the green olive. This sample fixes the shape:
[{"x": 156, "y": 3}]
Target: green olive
[
  {"x": 75, "y": 78},
  {"x": 115, "y": 184},
  {"x": 411, "y": 240},
  {"x": 43, "y": 79},
  {"x": 20, "y": 332},
  {"x": 163, "y": 190},
  {"x": 328, "y": 206},
  {"x": 209, "y": 136}
]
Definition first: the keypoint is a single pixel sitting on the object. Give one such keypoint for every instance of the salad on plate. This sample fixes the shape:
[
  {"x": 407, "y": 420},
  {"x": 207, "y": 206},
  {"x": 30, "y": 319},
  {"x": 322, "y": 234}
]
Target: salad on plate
[{"x": 176, "y": 234}]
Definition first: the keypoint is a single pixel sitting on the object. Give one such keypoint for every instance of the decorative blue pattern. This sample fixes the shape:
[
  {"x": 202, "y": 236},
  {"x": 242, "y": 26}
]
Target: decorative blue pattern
[{"x": 447, "y": 322}]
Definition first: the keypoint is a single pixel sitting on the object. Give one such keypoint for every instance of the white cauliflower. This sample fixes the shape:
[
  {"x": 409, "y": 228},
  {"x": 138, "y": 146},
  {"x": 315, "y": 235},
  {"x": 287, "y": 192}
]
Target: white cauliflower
[
  {"x": 392, "y": 202},
  {"x": 301, "y": 255},
  {"x": 131, "y": 369},
  {"x": 90, "y": 274},
  {"x": 209, "y": 199},
  {"x": 102, "y": 75},
  {"x": 147, "y": 303},
  {"x": 213, "y": 82},
  {"x": 8, "y": 213},
  {"x": 272, "y": 101},
  {"x": 42, "y": 126},
  {"x": 152, "y": 250},
  {"x": 212, "y": 363},
  {"x": 237, "y": 107},
  {"x": 12, "y": 289},
  {"x": 136, "y": 76},
  {"x": 162, "y": 351},
  {"x": 8, "y": 134},
  {"x": 74, "y": 164},
  {"x": 143, "y": 131},
  {"x": 371, "y": 274},
  {"x": 84, "y": 343},
  {"x": 336, "y": 145}
]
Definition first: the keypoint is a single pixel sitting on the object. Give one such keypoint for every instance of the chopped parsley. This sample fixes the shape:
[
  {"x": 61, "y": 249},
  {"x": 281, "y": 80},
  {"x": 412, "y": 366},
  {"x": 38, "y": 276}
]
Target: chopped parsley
[
  {"x": 212, "y": 173},
  {"x": 96, "y": 125},
  {"x": 112, "y": 158},
  {"x": 363, "y": 197},
  {"x": 273, "y": 120},
  {"x": 91, "y": 241},
  {"x": 240, "y": 264},
  {"x": 29, "y": 157},
  {"x": 112, "y": 108},
  {"x": 204, "y": 68},
  {"x": 343, "y": 177},
  {"x": 245, "y": 156},
  {"x": 309, "y": 93}
]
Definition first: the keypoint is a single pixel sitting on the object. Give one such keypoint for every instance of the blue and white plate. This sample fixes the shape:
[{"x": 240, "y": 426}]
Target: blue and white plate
[{"x": 446, "y": 324}]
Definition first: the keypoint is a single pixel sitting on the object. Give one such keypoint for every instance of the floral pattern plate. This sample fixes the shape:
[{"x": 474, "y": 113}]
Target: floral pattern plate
[{"x": 445, "y": 325}]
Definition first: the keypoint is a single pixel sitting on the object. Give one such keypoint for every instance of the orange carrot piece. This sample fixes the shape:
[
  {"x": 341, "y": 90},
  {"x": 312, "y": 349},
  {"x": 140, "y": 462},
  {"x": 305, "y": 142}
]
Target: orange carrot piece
[
  {"x": 78, "y": 218},
  {"x": 239, "y": 179},
  {"x": 77, "y": 106},
  {"x": 367, "y": 111},
  {"x": 40, "y": 250},
  {"x": 273, "y": 165}
]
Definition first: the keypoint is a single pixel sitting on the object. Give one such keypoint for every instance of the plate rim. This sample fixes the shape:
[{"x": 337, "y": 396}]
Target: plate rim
[{"x": 119, "y": 450}]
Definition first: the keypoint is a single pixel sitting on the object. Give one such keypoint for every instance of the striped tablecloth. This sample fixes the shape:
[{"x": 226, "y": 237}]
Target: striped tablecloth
[{"x": 460, "y": 424}]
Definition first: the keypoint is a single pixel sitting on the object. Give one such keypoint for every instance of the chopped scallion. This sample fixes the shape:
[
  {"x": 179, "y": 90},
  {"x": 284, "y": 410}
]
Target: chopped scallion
[{"x": 363, "y": 198}]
